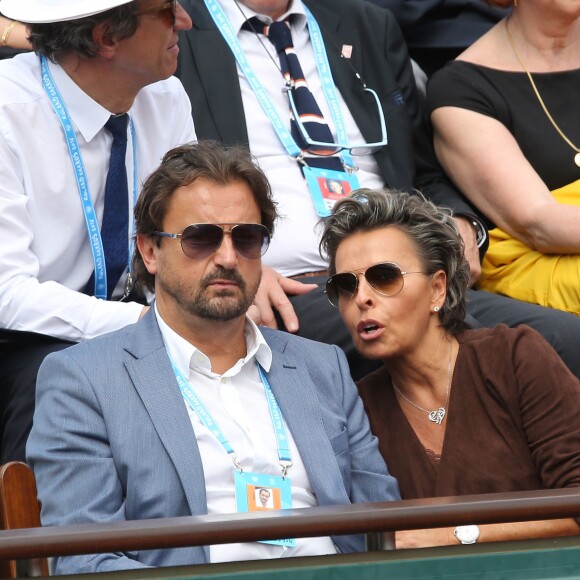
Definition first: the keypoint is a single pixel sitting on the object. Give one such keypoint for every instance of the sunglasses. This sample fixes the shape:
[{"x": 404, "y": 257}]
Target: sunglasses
[
  {"x": 198, "y": 241},
  {"x": 165, "y": 7},
  {"x": 386, "y": 279}
]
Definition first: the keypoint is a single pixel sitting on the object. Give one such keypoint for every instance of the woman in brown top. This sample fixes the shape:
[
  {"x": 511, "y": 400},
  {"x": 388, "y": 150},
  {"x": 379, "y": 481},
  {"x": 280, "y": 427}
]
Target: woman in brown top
[{"x": 456, "y": 411}]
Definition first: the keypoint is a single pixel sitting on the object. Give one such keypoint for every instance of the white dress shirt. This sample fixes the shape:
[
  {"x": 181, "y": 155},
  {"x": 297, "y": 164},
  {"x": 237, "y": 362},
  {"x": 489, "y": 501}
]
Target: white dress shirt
[
  {"x": 294, "y": 247},
  {"x": 237, "y": 402},
  {"x": 45, "y": 255}
]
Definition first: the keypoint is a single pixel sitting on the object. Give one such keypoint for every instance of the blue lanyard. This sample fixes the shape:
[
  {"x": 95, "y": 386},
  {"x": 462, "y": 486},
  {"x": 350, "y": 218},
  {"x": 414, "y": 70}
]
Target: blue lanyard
[
  {"x": 322, "y": 64},
  {"x": 284, "y": 454},
  {"x": 59, "y": 106}
]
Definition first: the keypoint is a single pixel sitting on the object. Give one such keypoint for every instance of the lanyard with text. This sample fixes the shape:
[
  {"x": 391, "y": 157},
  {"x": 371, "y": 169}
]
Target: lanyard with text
[
  {"x": 284, "y": 455},
  {"x": 324, "y": 71},
  {"x": 93, "y": 229}
]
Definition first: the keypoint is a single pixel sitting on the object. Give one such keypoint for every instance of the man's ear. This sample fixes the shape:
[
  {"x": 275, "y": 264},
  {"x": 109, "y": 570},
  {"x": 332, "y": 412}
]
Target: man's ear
[
  {"x": 104, "y": 41},
  {"x": 147, "y": 246}
]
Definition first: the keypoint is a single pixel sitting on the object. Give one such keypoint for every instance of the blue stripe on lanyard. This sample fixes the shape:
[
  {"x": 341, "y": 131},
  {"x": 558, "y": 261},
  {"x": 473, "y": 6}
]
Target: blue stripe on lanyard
[
  {"x": 322, "y": 64},
  {"x": 76, "y": 158},
  {"x": 328, "y": 85},
  {"x": 207, "y": 419},
  {"x": 277, "y": 420}
]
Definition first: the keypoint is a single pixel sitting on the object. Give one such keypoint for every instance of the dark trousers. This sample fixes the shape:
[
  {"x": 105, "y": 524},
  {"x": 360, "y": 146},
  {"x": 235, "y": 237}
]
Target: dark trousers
[
  {"x": 319, "y": 320},
  {"x": 21, "y": 354}
]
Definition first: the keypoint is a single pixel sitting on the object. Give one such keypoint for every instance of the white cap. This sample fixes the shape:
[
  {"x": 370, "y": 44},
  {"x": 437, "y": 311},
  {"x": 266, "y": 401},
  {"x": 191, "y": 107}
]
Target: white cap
[{"x": 39, "y": 11}]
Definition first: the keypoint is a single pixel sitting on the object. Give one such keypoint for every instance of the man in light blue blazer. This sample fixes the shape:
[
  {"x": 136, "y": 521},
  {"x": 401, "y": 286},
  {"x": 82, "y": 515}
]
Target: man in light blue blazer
[{"x": 179, "y": 414}]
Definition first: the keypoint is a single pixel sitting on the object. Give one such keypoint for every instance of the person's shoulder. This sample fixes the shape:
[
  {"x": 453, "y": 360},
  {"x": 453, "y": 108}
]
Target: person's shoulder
[
  {"x": 285, "y": 340},
  {"x": 462, "y": 81},
  {"x": 326, "y": 363},
  {"x": 20, "y": 79},
  {"x": 168, "y": 86},
  {"x": 498, "y": 337},
  {"x": 164, "y": 100},
  {"x": 107, "y": 347},
  {"x": 490, "y": 49}
]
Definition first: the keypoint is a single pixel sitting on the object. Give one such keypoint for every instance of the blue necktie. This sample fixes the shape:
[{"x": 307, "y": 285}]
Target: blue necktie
[
  {"x": 280, "y": 36},
  {"x": 114, "y": 229}
]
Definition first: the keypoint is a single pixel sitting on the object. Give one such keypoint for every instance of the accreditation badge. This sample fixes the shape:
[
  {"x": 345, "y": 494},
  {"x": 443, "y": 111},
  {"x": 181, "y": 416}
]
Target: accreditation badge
[
  {"x": 257, "y": 492},
  {"x": 327, "y": 186}
]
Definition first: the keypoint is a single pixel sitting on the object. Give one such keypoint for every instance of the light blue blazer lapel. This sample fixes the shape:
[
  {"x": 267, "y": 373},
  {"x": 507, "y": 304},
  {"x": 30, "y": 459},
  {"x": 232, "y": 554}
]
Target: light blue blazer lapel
[
  {"x": 301, "y": 408},
  {"x": 157, "y": 387}
]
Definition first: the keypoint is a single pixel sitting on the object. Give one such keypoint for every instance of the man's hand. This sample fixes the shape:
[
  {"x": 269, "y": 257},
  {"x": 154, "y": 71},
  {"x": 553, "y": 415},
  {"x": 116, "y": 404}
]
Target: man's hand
[
  {"x": 272, "y": 295},
  {"x": 471, "y": 250}
]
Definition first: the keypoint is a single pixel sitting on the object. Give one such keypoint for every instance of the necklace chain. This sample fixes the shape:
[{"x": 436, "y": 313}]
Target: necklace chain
[
  {"x": 437, "y": 415},
  {"x": 539, "y": 97}
]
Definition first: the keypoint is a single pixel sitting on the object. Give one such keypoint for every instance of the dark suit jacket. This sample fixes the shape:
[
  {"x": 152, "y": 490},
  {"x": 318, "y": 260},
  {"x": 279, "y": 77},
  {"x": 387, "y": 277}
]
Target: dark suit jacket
[
  {"x": 208, "y": 72},
  {"x": 443, "y": 23}
]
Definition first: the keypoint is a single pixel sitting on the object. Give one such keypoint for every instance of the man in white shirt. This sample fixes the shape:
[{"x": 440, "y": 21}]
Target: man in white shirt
[
  {"x": 193, "y": 409},
  {"x": 94, "y": 60}
]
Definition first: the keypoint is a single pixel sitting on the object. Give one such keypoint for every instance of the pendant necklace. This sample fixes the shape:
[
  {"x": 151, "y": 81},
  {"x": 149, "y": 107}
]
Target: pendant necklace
[
  {"x": 437, "y": 415},
  {"x": 539, "y": 97}
]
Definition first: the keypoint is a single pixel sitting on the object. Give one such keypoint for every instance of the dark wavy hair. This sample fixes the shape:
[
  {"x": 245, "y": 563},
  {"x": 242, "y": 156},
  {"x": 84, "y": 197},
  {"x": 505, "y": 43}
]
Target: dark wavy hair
[
  {"x": 432, "y": 229},
  {"x": 182, "y": 166},
  {"x": 58, "y": 39}
]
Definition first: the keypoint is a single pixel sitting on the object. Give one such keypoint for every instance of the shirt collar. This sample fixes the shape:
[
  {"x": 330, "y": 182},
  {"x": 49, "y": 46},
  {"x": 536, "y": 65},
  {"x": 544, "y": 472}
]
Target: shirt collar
[
  {"x": 88, "y": 116},
  {"x": 185, "y": 355},
  {"x": 236, "y": 18}
]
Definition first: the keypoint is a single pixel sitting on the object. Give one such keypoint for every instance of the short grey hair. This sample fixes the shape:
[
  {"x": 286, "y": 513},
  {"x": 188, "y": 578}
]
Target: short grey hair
[{"x": 432, "y": 230}]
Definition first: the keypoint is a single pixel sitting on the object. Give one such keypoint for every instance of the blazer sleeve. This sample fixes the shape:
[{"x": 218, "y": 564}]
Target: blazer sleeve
[
  {"x": 69, "y": 452},
  {"x": 370, "y": 479}
]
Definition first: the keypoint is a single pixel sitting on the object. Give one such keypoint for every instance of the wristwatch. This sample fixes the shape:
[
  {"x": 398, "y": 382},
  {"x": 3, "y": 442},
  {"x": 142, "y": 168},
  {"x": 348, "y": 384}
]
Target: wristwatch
[
  {"x": 480, "y": 233},
  {"x": 467, "y": 534}
]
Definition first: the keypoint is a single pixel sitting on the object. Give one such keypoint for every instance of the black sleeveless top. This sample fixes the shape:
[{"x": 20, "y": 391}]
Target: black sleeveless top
[{"x": 508, "y": 97}]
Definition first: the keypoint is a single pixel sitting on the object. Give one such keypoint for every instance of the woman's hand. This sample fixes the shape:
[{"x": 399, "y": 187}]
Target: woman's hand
[{"x": 424, "y": 538}]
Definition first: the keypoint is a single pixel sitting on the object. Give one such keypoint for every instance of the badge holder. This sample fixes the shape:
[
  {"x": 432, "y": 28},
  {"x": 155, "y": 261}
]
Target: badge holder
[
  {"x": 257, "y": 492},
  {"x": 327, "y": 186}
]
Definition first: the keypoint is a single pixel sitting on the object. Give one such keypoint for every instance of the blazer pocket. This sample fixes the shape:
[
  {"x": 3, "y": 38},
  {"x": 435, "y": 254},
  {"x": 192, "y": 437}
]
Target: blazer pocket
[{"x": 340, "y": 442}]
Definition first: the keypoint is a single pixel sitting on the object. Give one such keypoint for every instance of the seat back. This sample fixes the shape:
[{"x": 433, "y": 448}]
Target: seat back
[{"x": 19, "y": 508}]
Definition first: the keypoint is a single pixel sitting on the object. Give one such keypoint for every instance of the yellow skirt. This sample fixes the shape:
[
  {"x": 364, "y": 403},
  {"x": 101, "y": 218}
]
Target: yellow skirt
[{"x": 513, "y": 269}]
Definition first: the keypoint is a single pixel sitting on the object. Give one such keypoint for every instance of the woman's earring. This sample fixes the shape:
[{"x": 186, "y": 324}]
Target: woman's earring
[{"x": 436, "y": 309}]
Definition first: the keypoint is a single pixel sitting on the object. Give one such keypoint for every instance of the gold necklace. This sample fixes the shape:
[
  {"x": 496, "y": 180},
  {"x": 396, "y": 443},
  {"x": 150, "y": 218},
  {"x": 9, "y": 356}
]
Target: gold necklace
[
  {"x": 541, "y": 101},
  {"x": 437, "y": 415}
]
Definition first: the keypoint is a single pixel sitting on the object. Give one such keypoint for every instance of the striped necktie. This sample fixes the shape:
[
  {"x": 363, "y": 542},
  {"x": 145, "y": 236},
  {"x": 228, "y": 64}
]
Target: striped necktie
[{"x": 311, "y": 117}]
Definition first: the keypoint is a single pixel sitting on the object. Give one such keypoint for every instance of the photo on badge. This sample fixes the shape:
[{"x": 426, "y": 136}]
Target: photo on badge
[{"x": 263, "y": 498}]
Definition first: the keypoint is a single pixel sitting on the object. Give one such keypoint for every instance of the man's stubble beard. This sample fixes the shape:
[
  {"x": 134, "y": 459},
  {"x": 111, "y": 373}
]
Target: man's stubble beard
[{"x": 227, "y": 304}]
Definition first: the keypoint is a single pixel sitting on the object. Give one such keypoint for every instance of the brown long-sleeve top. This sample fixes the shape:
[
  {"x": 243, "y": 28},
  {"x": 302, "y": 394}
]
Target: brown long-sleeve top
[{"x": 513, "y": 420}]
